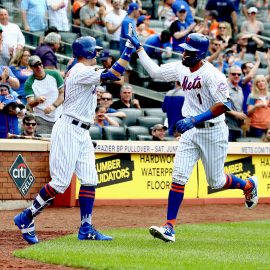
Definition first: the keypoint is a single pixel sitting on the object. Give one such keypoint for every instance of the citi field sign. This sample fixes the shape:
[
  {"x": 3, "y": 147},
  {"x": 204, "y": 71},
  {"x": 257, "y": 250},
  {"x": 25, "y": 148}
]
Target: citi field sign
[{"x": 21, "y": 175}]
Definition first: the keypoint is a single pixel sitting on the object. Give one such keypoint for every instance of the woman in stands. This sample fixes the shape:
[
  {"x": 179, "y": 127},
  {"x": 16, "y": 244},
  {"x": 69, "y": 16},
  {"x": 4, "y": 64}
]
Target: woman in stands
[
  {"x": 102, "y": 119},
  {"x": 20, "y": 68},
  {"x": 225, "y": 33},
  {"x": 259, "y": 107}
]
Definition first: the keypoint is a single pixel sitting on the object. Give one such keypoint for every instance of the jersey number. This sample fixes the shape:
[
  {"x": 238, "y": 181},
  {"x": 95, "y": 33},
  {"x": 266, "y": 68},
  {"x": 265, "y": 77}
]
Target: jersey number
[{"x": 199, "y": 98}]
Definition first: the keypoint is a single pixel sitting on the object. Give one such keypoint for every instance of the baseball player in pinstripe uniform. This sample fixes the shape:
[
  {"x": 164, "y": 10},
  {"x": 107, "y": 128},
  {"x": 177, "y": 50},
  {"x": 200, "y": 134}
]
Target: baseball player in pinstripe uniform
[
  {"x": 204, "y": 131},
  {"x": 71, "y": 146}
]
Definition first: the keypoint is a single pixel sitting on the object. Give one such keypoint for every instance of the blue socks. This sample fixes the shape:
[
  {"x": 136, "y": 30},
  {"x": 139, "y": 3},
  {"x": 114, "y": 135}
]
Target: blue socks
[
  {"x": 175, "y": 199},
  {"x": 86, "y": 201},
  {"x": 233, "y": 182}
]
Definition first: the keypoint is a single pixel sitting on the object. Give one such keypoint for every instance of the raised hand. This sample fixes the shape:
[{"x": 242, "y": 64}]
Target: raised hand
[{"x": 132, "y": 36}]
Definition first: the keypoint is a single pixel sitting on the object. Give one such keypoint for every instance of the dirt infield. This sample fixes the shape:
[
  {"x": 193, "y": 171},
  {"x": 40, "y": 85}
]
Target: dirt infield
[{"x": 61, "y": 221}]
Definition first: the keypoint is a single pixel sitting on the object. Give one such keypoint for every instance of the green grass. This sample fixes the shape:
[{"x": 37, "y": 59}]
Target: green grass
[{"x": 198, "y": 246}]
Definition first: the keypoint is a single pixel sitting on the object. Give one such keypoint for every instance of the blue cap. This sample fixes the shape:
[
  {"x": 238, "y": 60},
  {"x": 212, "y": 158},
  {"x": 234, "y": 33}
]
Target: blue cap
[
  {"x": 104, "y": 55},
  {"x": 142, "y": 18},
  {"x": 132, "y": 7},
  {"x": 176, "y": 7}
]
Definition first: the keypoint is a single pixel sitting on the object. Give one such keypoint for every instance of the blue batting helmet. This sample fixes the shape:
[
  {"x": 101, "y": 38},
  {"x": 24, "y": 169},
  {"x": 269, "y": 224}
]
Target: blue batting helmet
[
  {"x": 85, "y": 47},
  {"x": 198, "y": 44}
]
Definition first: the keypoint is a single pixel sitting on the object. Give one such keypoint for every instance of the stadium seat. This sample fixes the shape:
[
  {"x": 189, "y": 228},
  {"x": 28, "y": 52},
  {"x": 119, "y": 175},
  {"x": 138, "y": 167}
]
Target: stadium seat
[
  {"x": 95, "y": 133},
  {"x": 149, "y": 121},
  {"x": 114, "y": 133},
  {"x": 134, "y": 131},
  {"x": 132, "y": 115},
  {"x": 118, "y": 120},
  {"x": 155, "y": 112},
  {"x": 145, "y": 138}
]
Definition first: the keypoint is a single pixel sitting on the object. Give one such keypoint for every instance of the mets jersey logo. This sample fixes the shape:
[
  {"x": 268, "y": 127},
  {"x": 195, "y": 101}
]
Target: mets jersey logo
[{"x": 193, "y": 84}]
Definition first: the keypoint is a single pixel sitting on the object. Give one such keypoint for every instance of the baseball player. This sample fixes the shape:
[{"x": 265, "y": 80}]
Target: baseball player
[
  {"x": 204, "y": 132},
  {"x": 71, "y": 146}
]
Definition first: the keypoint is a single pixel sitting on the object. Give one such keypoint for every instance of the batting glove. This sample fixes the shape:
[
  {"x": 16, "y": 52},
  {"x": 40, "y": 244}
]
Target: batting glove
[
  {"x": 132, "y": 36},
  {"x": 184, "y": 124}
]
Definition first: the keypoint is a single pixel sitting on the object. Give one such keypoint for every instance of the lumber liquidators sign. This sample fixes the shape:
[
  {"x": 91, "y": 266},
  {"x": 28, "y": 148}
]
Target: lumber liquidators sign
[
  {"x": 137, "y": 176},
  {"x": 114, "y": 169},
  {"x": 242, "y": 166},
  {"x": 21, "y": 175}
]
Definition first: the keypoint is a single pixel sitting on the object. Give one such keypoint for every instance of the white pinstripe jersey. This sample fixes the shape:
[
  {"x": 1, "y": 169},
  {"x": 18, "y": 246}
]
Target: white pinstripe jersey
[
  {"x": 80, "y": 92},
  {"x": 202, "y": 88}
]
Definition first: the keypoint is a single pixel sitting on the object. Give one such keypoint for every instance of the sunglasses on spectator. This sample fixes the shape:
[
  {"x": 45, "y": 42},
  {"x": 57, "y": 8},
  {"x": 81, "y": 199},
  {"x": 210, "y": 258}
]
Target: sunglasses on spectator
[
  {"x": 3, "y": 89},
  {"x": 30, "y": 124},
  {"x": 235, "y": 74},
  {"x": 221, "y": 27},
  {"x": 106, "y": 99}
]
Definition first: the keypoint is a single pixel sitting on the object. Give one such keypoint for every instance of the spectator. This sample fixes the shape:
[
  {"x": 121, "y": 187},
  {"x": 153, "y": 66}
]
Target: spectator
[
  {"x": 165, "y": 12},
  {"x": 102, "y": 119},
  {"x": 75, "y": 12},
  {"x": 92, "y": 21},
  {"x": 143, "y": 29},
  {"x": 212, "y": 23},
  {"x": 107, "y": 61},
  {"x": 106, "y": 101},
  {"x": 172, "y": 106},
  {"x": 45, "y": 93},
  {"x": 13, "y": 39},
  {"x": 107, "y": 4},
  {"x": 9, "y": 122},
  {"x": 58, "y": 14},
  {"x": 249, "y": 70},
  {"x": 226, "y": 12},
  {"x": 225, "y": 34},
  {"x": 132, "y": 14},
  {"x": 46, "y": 51},
  {"x": 252, "y": 25},
  {"x": 29, "y": 126},
  {"x": 235, "y": 118},
  {"x": 215, "y": 49},
  {"x": 99, "y": 90},
  {"x": 266, "y": 136},
  {"x": 7, "y": 76},
  {"x": 193, "y": 7},
  {"x": 128, "y": 2},
  {"x": 247, "y": 43},
  {"x": 158, "y": 132},
  {"x": 259, "y": 107},
  {"x": 176, "y": 6},
  {"x": 34, "y": 18},
  {"x": 126, "y": 99},
  {"x": 113, "y": 23},
  {"x": 20, "y": 68},
  {"x": 156, "y": 41},
  {"x": 180, "y": 28}
]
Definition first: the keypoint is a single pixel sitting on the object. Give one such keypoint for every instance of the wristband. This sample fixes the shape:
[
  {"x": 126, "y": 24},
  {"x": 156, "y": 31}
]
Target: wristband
[
  {"x": 202, "y": 117},
  {"x": 54, "y": 105}
]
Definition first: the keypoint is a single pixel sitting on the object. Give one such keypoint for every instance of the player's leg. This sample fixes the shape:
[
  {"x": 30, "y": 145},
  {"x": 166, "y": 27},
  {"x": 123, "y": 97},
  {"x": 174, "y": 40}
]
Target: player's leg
[
  {"x": 186, "y": 157},
  {"x": 87, "y": 174},
  {"x": 214, "y": 154},
  {"x": 61, "y": 170}
]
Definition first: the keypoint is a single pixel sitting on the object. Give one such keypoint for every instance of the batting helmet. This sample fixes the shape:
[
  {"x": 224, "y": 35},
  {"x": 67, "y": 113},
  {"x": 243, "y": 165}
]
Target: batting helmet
[
  {"x": 198, "y": 44},
  {"x": 85, "y": 47}
]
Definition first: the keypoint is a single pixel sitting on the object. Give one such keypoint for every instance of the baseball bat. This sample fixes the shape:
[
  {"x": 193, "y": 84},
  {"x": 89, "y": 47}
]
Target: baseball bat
[{"x": 15, "y": 136}]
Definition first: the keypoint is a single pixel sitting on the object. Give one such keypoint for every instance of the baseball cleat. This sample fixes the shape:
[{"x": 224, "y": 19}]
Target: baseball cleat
[
  {"x": 88, "y": 232},
  {"x": 27, "y": 227},
  {"x": 165, "y": 233},
  {"x": 251, "y": 195}
]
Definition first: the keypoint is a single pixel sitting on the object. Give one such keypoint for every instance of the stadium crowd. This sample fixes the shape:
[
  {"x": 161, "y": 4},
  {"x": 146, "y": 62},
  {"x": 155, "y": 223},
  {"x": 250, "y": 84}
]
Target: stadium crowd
[{"x": 33, "y": 34}]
